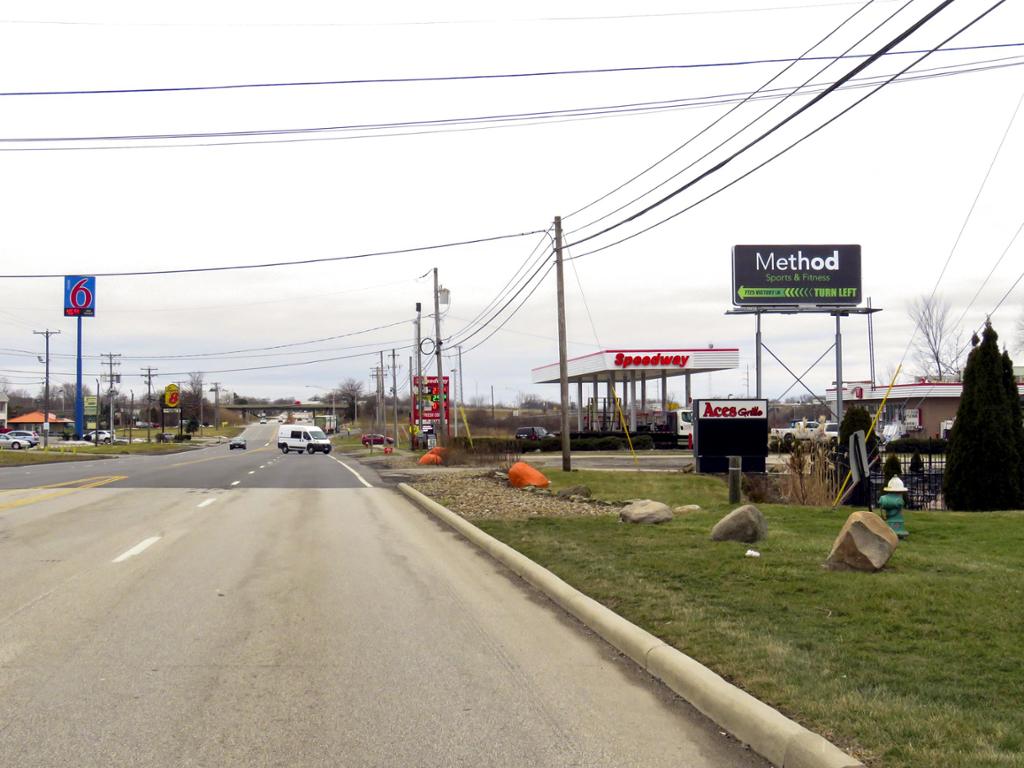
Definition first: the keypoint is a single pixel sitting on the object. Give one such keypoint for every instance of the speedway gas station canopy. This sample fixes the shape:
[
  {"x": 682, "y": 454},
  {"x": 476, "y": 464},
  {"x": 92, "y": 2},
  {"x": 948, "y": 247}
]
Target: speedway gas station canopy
[
  {"x": 644, "y": 364},
  {"x": 612, "y": 366}
]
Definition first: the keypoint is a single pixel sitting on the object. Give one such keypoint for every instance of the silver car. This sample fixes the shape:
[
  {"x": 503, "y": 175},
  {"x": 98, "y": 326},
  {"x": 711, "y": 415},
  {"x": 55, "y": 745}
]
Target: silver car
[
  {"x": 25, "y": 436},
  {"x": 9, "y": 440}
]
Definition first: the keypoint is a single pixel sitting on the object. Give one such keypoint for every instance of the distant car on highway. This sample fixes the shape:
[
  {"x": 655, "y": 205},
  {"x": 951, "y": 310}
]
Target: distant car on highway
[
  {"x": 263, "y": 421},
  {"x": 237, "y": 442},
  {"x": 7, "y": 440},
  {"x": 531, "y": 433},
  {"x": 371, "y": 439},
  {"x": 104, "y": 436}
]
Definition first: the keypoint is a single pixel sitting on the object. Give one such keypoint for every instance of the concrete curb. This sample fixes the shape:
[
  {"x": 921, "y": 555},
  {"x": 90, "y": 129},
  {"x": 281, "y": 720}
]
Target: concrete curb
[{"x": 783, "y": 742}]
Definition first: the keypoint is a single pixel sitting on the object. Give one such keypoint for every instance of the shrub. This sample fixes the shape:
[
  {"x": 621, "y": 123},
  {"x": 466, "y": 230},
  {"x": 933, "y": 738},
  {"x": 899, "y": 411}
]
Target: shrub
[
  {"x": 916, "y": 464},
  {"x": 891, "y": 468},
  {"x": 761, "y": 488},
  {"x": 917, "y": 444},
  {"x": 855, "y": 419}
]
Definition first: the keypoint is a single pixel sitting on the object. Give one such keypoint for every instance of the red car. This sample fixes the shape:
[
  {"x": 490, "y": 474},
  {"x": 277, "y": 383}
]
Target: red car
[{"x": 377, "y": 440}]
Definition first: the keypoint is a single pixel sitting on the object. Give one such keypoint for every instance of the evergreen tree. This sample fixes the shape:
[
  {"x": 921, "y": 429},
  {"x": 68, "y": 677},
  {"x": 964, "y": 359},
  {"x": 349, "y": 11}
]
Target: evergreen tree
[
  {"x": 856, "y": 419},
  {"x": 1016, "y": 416},
  {"x": 983, "y": 465},
  {"x": 891, "y": 467}
]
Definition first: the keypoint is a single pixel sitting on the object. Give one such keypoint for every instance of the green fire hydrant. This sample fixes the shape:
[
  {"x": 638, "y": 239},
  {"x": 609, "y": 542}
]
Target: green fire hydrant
[{"x": 893, "y": 498}]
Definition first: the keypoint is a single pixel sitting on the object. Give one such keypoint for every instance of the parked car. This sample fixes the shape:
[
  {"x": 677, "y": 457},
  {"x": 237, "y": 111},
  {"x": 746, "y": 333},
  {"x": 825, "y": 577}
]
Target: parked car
[
  {"x": 531, "y": 433},
  {"x": 237, "y": 442},
  {"x": 27, "y": 436},
  {"x": 102, "y": 436},
  {"x": 377, "y": 440},
  {"x": 7, "y": 440}
]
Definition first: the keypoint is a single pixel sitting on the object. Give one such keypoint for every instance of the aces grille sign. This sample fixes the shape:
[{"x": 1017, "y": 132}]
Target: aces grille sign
[{"x": 796, "y": 275}]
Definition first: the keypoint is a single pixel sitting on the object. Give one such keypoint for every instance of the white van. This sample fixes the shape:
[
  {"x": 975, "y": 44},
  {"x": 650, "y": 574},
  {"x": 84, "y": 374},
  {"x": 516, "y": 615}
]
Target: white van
[{"x": 302, "y": 437}]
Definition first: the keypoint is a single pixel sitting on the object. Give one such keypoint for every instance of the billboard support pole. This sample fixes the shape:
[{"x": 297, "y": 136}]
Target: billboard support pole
[
  {"x": 79, "y": 400},
  {"x": 839, "y": 369},
  {"x": 757, "y": 353}
]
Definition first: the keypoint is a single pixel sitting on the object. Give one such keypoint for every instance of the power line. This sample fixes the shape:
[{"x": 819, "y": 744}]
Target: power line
[
  {"x": 515, "y": 312},
  {"x": 266, "y": 265},
  {"x": 792, "y": 116},
  {"x": 431, "y": 22},
  {"x": 721, "y": 117},
  {"x": 783, "y": 151},
  {"x": 472, "y": 77},
  {"x": 356, "y": 132},
  {"x": 462, "y": 339},
  {"x": 525, "y": 266},
  {"x": 757, "y": 119}
]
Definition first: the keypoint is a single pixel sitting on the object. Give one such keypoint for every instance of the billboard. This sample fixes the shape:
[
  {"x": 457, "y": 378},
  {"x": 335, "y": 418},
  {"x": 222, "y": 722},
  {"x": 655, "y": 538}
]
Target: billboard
[
  {"x": 79, "y": 296},
  {"x": 796, "y": 275}
]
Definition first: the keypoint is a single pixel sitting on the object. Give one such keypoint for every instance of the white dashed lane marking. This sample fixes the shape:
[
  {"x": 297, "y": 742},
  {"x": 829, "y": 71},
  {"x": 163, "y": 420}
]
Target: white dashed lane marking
[
  {"x": 206, "y": 503},
  {"x": 139, "y": 548},
  {"x": 236, "y": 482}
]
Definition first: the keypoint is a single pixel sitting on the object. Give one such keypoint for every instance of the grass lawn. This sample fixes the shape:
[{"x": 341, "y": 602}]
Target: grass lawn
[
  {"x": 919, "y": 665},
  {"x": 24, "y": 458}
]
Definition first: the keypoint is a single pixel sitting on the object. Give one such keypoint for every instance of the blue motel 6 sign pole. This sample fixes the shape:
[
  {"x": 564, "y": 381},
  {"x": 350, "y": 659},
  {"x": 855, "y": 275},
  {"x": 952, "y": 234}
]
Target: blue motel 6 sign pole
[{"x": 79, "y": 302}]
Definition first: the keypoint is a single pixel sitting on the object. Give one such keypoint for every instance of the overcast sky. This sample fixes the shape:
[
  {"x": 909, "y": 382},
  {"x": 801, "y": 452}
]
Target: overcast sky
[{"x": 898, "y": 175}]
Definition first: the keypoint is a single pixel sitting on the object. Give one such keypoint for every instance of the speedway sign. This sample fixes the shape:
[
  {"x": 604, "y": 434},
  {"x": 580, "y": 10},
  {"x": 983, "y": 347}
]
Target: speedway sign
[{"x": 796, "y": 275}]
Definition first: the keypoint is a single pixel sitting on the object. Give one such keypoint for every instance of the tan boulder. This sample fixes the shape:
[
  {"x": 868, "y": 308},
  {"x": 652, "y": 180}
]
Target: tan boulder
[
  {"x": 865, "y": 543},
  {"x": 645, "y": 511}
]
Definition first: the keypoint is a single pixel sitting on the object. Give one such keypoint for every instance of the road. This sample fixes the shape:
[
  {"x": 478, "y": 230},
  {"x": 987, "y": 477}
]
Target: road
[{"x": 247, "y": 608}]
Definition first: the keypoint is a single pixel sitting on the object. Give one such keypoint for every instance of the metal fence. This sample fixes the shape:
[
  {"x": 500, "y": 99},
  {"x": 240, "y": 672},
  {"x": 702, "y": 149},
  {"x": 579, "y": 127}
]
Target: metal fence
[{"x": 924, "y": 486}]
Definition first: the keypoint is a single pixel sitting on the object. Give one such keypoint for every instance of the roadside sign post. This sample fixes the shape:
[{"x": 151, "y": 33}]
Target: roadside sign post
[{"x": 79, "y": 302}]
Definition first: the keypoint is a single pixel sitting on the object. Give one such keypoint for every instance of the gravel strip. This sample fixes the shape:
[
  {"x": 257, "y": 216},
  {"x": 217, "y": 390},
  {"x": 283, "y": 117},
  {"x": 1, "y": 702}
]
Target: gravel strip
[{"x": 486, "y": 496}]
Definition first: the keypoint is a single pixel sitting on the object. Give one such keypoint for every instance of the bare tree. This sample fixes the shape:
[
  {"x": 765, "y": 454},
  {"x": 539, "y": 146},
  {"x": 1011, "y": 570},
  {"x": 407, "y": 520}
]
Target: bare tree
[
  {"x": 938, "y": 347},
  {"x": 349, "y": 391},
  {"x": 194, "y": 392}
]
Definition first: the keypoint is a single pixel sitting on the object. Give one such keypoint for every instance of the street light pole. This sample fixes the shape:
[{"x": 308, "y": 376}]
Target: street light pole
[
  {"x": 46, "y": 387},
  {"x": 442, "y": 421}
]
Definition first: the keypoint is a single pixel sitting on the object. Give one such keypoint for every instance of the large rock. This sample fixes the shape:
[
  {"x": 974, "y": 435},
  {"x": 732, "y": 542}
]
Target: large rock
[
  {"x": 744, "y": 523},
  {"x": 574, "y": 490},
  {"x": 865, "y": 543},
  {"x": 645, "y": 511}
]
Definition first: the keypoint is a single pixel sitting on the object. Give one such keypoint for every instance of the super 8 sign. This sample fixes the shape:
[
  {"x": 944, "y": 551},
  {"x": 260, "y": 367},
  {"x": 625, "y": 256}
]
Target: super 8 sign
[
  {"x": 79, "y": 296},
  {"x": 172, "y": 396}
]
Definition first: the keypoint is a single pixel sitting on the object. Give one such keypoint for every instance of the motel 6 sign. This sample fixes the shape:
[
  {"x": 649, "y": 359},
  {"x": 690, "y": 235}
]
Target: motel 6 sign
[{"x": 79, "y": 296}]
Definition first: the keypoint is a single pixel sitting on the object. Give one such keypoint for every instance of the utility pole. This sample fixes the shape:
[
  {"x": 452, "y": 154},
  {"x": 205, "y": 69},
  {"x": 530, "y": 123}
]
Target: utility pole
[
  {"x": 149, "y": 399},
  {"x": 419, "y": 374},
  {"x": 382, "y": 397},
  {"x": 563, "y": 365},
  {"x": 216, "y": 404},
  {"x": 492, "y": 402},
  {"x": 394, "y": 392},
  {"x": 46, "y": 387},
  {"x": 442, "y": 420},
  {"x": 412, "y": 399},
  {"x": 110, "y": 391},
  {"x": 462, "y": 395}
]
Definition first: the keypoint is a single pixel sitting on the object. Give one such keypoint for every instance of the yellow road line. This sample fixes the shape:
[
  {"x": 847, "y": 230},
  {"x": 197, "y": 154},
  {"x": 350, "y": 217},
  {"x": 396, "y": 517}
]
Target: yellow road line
[{"x": 96, "y": 482}]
